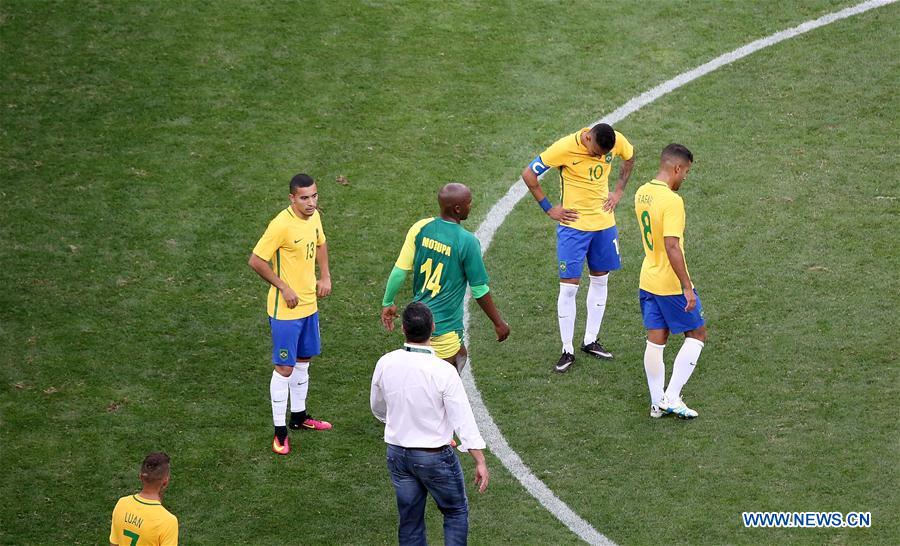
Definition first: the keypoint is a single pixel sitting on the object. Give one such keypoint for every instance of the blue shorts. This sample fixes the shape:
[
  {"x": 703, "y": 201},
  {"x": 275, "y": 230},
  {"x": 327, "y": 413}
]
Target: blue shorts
[
  {"x": 667, "y": 312},
  {"x": 293, "y": 339},
  {"x": 601, "y": 248}
]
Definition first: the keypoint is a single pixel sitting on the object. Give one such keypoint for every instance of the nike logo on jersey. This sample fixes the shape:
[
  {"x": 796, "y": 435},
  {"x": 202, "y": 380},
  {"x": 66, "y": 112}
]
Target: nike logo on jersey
[
  {"x": 577, "y": 162},
  {"x": 298, "y": 240}
]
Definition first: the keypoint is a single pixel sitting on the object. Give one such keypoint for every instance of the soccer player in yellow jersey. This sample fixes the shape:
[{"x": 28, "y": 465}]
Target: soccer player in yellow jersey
[
  {"x": 295, "y": 243},
  {"x": 669, "y": 301},
  {"x": 587, "y": 225},
  {"x": 140, "y": 519}
]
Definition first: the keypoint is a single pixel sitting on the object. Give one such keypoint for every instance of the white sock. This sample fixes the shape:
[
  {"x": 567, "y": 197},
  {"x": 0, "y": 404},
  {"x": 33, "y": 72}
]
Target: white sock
[
  {"x": 299, "y": 383},
  {"x": 566, "y": 310},
  {"x": 278, "y": 390},
  {"x": 685, "y": 362},
  {"x": 596, "y": 305},
  {"x": 656, "y": 371}
]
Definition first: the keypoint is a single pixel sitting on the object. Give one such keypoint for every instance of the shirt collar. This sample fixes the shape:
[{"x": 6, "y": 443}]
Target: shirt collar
[
  {"x": 142, "y": 500},
  {"x": 418, "y": 348}
]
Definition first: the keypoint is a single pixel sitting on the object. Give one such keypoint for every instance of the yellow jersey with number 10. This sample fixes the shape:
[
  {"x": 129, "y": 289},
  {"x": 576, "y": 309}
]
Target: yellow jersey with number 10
[
  {"x": 660, "y": 214},
  {"x": 584, "y": 178}
]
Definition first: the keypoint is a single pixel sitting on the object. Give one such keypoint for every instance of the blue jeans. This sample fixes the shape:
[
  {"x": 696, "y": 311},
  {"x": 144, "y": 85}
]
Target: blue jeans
[{"x": 415, "y": 472}]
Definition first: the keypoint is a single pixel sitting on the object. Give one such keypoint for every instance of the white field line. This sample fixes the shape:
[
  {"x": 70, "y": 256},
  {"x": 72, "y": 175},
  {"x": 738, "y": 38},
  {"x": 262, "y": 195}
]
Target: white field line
[{"x": 504, "y": 206}]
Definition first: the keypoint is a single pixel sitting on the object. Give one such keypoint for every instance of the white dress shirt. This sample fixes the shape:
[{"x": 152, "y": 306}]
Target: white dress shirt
[{"x": 421, "y": 400}]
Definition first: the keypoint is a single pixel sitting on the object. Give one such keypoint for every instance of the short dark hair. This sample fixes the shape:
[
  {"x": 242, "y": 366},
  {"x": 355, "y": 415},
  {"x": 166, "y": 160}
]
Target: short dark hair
[
  {"x": 677, "y": 150},
  {"x": 604, "y": 136},
  {"x": 301, "y": 181},
  {"x": 155, "y": 467},
  {"x": 417, "y": 322}
]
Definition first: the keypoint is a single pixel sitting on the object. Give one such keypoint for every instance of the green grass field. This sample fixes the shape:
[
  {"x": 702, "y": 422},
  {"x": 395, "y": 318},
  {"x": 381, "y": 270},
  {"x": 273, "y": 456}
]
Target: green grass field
[{"x": 144, "y": 147}]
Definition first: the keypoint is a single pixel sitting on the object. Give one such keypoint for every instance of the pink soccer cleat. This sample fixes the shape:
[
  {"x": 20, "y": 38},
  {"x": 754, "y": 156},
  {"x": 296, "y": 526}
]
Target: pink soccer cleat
[
  {"x": 281, "y": 449},
  {"x": 315, "y": 424}
]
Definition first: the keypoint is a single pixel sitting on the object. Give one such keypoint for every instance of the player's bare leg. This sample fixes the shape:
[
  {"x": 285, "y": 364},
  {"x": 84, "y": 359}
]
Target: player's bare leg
[
  {"x": 697, "y": 333},
  {"x": 459, "y": 360}
]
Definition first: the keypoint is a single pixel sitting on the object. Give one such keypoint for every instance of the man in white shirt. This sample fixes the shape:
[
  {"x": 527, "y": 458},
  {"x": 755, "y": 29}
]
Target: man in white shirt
[{"x": 421, "y": 402}]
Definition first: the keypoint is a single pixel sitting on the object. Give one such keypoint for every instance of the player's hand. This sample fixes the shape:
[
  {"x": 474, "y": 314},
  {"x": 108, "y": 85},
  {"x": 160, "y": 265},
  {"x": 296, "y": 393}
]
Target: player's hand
[
  {"x": 388, "y": 314},
  {"x": 502, "y": 330},
  {"x": 323, "y": 287},
  {"x": 691, "y": 300},
  {"x": 612, "y": 200},
  {"x": 562, "y": 215},
  {"x": 482, "y": 476},
  {"x": 290, "y": 297}
]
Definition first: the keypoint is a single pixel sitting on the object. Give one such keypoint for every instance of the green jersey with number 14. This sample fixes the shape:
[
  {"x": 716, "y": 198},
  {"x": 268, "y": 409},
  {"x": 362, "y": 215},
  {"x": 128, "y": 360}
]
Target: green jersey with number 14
[{"x": 444, "y": 258}]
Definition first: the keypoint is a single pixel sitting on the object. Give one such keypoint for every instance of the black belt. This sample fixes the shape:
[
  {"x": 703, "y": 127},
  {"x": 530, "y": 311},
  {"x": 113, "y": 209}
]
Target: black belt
[{"x": 428, "y": 449}]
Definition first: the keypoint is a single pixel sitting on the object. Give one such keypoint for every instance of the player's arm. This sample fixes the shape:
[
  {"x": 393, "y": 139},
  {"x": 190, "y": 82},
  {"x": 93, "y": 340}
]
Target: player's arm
[
  {"x": 616, "y": 195},
  {"x": 323, "y": 285},
  {"x": 388, "y": 307},
  {"x": 477, "y": 277},
  {"x": 530, "y": 176},
  {"x": 402, "y": 267},
  {"x": 483, "y": 296},
  {"x": 676, "y": 258},
  {"x": 264, "y": 270},
  {"x": 265, "y": 248}
]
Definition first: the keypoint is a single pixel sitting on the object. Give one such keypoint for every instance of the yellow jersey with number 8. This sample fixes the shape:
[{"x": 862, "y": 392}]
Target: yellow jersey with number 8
[{"x": 660, "y": 214}]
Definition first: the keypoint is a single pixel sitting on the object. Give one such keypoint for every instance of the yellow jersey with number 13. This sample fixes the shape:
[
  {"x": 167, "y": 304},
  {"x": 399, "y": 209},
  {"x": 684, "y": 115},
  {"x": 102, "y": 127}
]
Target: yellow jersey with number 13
[
  {"x": 584, "y": 178},
  {"x": 290, "y": 243},
  {"x": 660, "y": 214}
]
